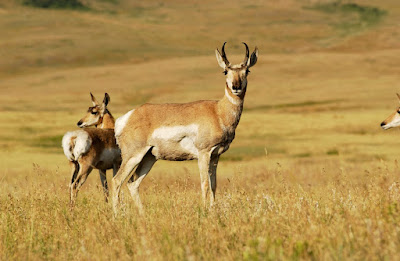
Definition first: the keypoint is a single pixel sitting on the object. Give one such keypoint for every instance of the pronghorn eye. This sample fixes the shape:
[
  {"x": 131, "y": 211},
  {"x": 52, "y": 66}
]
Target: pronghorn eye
[
  {"x": 225, "y": 72},
  {"x": 93, "y": 112}
]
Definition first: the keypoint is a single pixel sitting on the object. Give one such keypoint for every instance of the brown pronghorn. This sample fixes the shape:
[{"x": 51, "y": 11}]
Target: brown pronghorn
[
  {"x": 200, "y": 130},
  {"x": 393, "y": 120},
  {"x": 92, "y": 147}
]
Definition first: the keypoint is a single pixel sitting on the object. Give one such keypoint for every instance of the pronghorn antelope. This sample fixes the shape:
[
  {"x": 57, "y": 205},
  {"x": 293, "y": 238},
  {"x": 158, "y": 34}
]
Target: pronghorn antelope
[
  {"x": 393, "y": 120},
  {"x": 200, "y": 130},
  {"x": 92, "y": 147}
]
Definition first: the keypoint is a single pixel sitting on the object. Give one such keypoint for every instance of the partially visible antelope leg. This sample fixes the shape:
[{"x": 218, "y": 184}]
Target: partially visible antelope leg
[
  {"x": 116, "y": 168},
  {"x": 124, "y": 172},
  {"x": 204, "y": 166},
  {"x": 84, "y": 171},
  {"x": 213, "y": 177},
  {"x": 141, "y": 171},
  {"x": 103, "y": 179},
  {"x": 208, "y": 162},
  {"x": 74, "y": 172}
]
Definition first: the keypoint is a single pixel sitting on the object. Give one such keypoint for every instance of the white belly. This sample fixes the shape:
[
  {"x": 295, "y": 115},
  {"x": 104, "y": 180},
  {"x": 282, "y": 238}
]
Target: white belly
[{"x": 175, "y": 142}]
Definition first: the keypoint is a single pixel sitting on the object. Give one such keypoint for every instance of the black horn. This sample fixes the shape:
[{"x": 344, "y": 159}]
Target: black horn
[
  {"x": 223, "y": 54},
  {"x": 246, "y": 59}
]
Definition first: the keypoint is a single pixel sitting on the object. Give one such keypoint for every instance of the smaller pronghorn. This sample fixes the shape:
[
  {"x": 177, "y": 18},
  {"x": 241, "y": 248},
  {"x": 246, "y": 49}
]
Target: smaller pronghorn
[
  {"x": 393, "y": 120},
  {"x": 92, "y": 147}
]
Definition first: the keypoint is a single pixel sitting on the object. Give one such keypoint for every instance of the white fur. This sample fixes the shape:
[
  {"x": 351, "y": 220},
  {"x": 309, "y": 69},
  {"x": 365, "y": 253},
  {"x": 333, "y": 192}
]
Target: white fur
[
  {"x": 80, "y": 146},
  {"x": 89, "y": 123},
  {"x": 184, "y": 135},
  {"x": 188, "y": 144},
  {"x": 394, "y": 123},
  {"x": 229, "y": 79},
  {"x": 221, "y": 62},
  {"x": 391, "y": 125},
  {"x": 236, "y": 66},
  {"x": 175, "y": 133},
  {"x": 230, "y": 98},
  {"x": 121, "y": 122}
]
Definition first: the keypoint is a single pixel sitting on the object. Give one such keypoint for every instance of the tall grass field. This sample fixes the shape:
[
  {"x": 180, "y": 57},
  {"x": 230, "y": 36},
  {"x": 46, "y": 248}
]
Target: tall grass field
[{"x": 309, "y": 176}]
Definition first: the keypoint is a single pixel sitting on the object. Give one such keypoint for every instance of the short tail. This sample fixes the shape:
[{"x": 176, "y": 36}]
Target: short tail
[
  {"x": 121, "y": 122},
  {"x": 75, "y": 144}
]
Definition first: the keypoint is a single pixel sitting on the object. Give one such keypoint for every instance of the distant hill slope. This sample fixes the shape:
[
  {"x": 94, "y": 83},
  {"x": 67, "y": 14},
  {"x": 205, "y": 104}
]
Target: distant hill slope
[{"x": 120, "y": 31}]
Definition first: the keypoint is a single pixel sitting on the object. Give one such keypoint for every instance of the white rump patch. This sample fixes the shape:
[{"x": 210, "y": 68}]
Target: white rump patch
[
  {"x": 76, "y": 143},
  {"x": 121, "y": 122}
]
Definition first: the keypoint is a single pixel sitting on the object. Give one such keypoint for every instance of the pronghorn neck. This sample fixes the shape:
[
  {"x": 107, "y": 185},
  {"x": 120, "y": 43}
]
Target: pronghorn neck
[
  {"x": 230, "y": 108},
  {"x": 108, "y": 121}
]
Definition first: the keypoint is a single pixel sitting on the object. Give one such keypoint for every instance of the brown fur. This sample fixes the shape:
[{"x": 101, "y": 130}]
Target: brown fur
[
  {"x": 389, "y": 119},
  {"x": 393, "y": 120},
  {"x": 72, "y": 145},
  {"x": 216, "y": 118},
  {"x": 103, "y": 120},
  {"x": 200, "y": 130},
  {"x": 102, "y": 139},
  {"x": 107, "y": 121},
  {"x": 103, "y": 153}
]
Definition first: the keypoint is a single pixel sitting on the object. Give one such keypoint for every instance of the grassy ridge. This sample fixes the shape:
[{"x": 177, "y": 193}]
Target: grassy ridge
[
  {"x": 355, "y": 16},
  {"x": 138, "y": 32}
]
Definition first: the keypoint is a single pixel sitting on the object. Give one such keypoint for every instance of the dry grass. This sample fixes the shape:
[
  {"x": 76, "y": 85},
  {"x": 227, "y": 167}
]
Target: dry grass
[
  {"x": 328, "y": 189},
  {"x": 299, "y": 211}
]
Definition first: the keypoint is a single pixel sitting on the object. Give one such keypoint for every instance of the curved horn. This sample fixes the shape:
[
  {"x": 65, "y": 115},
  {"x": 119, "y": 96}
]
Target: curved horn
[
  {"x": 224, "y": 55},
  {"x": 246, "y": 58}
]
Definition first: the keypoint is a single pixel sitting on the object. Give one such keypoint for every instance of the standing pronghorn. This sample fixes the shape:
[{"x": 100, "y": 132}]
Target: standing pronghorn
[
  {"x": 393, "y": 120},
  {"x": 92, "y": 147},
  {"x": 200, "y": 130}
]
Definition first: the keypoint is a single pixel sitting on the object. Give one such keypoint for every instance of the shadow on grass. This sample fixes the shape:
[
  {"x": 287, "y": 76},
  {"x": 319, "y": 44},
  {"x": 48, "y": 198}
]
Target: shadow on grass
[
  {"x": 291, "y": 105},
  {"x": 56, "y": 4}
]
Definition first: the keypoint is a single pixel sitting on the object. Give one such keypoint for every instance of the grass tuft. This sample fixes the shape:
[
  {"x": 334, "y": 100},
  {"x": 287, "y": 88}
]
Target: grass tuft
[{"x": 332, "y": 152}]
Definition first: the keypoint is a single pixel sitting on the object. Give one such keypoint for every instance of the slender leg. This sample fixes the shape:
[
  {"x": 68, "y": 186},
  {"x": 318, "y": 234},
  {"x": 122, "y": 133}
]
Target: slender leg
[
  {"x": 74, "y": 172},
  {"x": 124, "y": 172},
  {"x": 103, "y": 179},
  {"x": 141, "y": 171},
  {"x": 84, "y": 171},
  {"x": 116, "y": 168},
  {"x": 213, "y": 177},
  {"x": 204, "y": 165}
]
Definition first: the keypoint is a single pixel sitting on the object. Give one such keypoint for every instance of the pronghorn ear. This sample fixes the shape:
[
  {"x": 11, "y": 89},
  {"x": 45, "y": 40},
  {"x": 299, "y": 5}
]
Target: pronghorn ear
[
  {"x": 103, "y": 107},
  {"x": 253, "y": 58},
  {"x": 398, "y": 96},
  {"x": 106, "y": 99},
  {"x": 220, "y": 60},
  {"x": 94, "y": 101}
]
